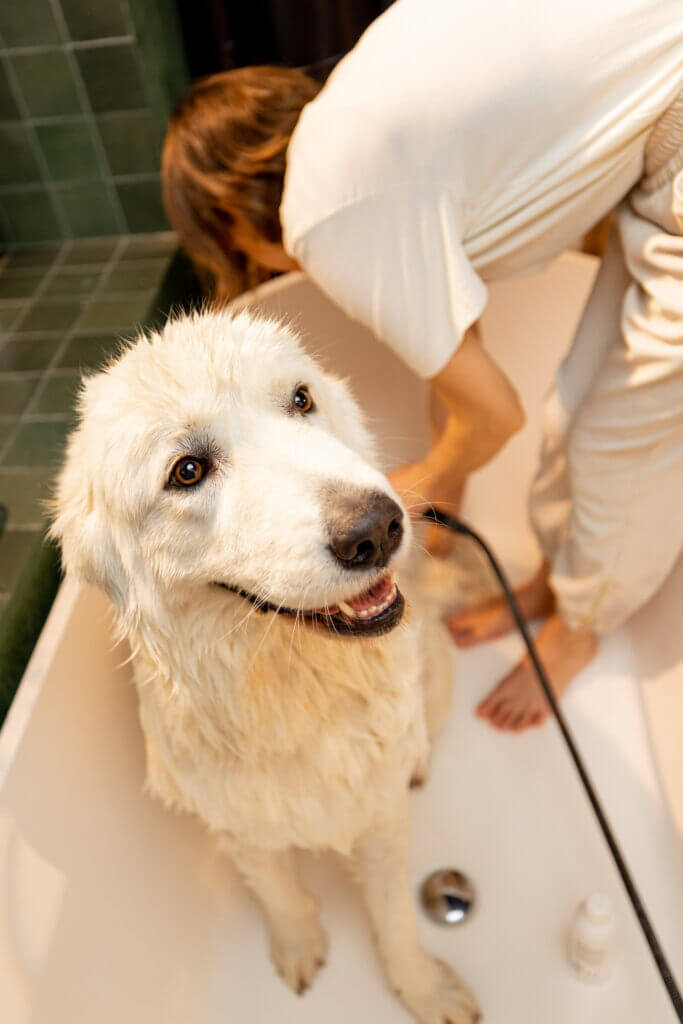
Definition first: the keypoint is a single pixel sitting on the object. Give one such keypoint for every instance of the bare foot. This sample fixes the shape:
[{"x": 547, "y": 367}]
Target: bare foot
[
  {"x": 492, "y": 618},
  {"x": 518, "y": 701}
]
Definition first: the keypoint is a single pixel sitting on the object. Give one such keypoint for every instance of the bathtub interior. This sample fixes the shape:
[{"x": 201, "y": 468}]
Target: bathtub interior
[{"x": 113, "y": 909}]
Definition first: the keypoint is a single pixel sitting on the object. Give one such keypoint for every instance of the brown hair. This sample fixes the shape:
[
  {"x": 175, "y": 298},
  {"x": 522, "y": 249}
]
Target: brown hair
[{"x": 226, "y": 149}]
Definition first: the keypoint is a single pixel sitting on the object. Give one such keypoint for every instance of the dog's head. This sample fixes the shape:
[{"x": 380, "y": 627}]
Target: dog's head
[{"x": 218, "y": 454}]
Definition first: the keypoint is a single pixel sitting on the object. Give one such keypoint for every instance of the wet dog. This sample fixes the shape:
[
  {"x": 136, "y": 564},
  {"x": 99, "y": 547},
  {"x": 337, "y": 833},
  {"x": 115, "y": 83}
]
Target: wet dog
[{"x": 224, "y": 491}]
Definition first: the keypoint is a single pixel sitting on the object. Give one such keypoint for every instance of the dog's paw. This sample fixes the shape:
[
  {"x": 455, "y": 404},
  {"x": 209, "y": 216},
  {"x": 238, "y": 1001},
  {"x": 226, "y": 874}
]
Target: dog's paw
[
  {"x": 299, "y": 949},
  {"x": 436, "y": 995}
]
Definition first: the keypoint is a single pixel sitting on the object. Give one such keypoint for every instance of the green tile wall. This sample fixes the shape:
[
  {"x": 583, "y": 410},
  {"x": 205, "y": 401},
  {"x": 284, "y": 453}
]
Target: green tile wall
[
  {"x": 86, "y": 87},
  {"x": 28, "y": 23},
  {"x": 68, "y": 150}
]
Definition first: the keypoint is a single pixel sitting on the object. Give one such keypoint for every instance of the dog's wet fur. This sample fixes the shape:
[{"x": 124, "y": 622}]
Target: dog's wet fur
[{"x": 278, "y": 728}]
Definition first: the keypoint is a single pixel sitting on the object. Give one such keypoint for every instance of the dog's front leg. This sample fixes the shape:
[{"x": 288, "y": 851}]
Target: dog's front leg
[
  {"x": 427, "y": 986},
  {"x": 298, "y": 943}
]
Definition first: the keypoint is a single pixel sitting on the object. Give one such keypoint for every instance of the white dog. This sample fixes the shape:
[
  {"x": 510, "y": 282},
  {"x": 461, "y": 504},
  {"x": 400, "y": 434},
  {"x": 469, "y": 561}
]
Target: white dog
[{"x": 222, "y": 489}]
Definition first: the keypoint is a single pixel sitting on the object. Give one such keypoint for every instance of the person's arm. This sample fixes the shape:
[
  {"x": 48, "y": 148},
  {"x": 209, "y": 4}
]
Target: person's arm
[
  {"x": 395, "y": 261},
  {"x": 484, "y": 411}
]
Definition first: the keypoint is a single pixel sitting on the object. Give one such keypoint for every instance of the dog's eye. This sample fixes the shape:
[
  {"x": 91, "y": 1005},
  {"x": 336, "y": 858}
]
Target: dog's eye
[
  {"x": 302, "y": 399},
  {"x": 187, "y": 471}
]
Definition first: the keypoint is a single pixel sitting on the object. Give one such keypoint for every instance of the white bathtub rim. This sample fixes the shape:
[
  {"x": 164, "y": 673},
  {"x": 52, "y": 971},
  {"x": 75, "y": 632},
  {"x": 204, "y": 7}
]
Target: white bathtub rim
[{"x": 36, "y": 674}]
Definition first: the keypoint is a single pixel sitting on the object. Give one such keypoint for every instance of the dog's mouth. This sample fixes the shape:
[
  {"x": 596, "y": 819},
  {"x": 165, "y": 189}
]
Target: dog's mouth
[{"x": 373, "y": 612}]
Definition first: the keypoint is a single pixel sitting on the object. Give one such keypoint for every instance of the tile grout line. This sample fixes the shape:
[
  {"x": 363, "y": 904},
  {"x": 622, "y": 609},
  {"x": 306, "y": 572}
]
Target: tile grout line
[
  {"x": 38, "y": 49},
  {"x": 114, "y": 179},
  {"x": 90, "y": 119},
  {"x": 49, "y": 274},
  {"x": 7, "y": 420},
  {"x": 107, "y": 115},
  {"x": 166, "y": 233}
]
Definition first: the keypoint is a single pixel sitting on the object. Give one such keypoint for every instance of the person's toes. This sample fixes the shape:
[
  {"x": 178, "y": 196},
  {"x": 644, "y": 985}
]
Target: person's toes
[
  {"x": 463, "y": 637},
  {"x": 520, "y": 721},
  {"x": 461, "y": 624},
  {"x": 491, "y": 707},
  {"x": 476, "y": 625},
  {"x": 485, "y": 708},
  {"x": 502, "y": 717}
]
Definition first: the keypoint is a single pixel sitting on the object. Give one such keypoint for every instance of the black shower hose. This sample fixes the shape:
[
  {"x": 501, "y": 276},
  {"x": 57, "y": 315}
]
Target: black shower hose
[{"x": 457, "y": 526}]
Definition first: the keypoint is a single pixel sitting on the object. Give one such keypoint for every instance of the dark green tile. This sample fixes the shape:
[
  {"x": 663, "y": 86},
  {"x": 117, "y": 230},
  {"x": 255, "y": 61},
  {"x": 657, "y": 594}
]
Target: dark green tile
[
  {"x": 15, "y": 393},
  {"x": 46, "y": 83},
  {"x": 71, "y": 282},
  {"x": 141, "y": 202},
  {"x": 38, "y": 443},
  {"x": 112, "y": 77},
  {"x": 131, "y": 143},
  {"x": 88, "y": 208},
  {"x": 18, "y": 165},
  {"x": 27, "y": 355},
  {"x": 160, "y": 44},
  {"x": 30, "y": 216},
  {"x": 9, "y": 313},
  {"x": 68, "y": 150},
  {"x": 149, "y": 247},
  {"x": 28, "y": 23},
  {"x": 89, "y": 351},
  {"x": 27, "y": 259},
  {"x": 23, "y": 495},
  {"x": 8, "y": 105},
  {"x": 97, "y": 251},
  {"x": 19, "y": 286},
  {"x": 5, "y": 431},
  {"x": 116, "y": 314},
  {"x": 15, "y": 549},
  {"x": 57, "y": 394},
  {"x": 135, "y": 277},
  {"x": 50, "y": 315},
  {"x": 94, "y": 19}
]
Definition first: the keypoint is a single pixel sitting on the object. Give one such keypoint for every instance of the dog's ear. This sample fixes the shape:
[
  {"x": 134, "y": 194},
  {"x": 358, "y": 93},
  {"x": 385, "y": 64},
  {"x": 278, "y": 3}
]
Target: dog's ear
[{"x": 88, "y": 546}]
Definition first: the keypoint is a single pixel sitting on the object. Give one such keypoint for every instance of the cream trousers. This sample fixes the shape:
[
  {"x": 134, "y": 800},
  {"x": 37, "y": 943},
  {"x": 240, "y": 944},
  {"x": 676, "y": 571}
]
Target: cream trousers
[{"x": 607, "y": 503}]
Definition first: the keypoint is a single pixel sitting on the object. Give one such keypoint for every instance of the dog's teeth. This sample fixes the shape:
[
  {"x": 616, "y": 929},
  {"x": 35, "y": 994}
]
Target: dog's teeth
[{"x": 373, "y": 610}]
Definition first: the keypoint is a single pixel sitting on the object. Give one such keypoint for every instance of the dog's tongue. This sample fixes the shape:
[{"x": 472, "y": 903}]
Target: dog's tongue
[{"x": 377, "y": 593}]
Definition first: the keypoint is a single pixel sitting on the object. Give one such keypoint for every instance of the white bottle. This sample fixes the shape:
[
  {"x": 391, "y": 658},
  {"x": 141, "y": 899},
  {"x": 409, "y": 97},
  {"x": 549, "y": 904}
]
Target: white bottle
[{"x": 591, "y": 937}]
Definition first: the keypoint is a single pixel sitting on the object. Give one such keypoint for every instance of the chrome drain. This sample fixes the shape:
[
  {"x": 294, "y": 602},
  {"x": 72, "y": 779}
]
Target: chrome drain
[{"x": 447, "y": 896}]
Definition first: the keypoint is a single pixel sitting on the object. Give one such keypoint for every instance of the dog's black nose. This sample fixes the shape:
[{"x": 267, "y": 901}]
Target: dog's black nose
[{"x": 364, "y": 527}]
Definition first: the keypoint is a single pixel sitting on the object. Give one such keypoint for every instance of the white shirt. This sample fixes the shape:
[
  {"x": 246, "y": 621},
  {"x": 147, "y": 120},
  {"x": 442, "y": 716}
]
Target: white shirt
[{"x": 466, "y": 140}]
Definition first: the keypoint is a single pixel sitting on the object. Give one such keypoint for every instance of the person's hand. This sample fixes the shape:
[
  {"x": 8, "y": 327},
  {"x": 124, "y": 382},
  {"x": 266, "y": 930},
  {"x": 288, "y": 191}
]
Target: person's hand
[
  {"x": 421, "y": 487},
  {"x": 412, "y": 482},
  {"x": 482, "y": 412}
]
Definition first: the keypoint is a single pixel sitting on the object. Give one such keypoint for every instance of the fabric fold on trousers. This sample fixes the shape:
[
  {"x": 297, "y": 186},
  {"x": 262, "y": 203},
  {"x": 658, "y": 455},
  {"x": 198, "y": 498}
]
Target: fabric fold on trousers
[{"x": 607, "y": 503}]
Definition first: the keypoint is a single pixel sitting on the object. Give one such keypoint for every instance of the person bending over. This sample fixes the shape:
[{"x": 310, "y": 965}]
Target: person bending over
[{"x": 458, "y": 144}]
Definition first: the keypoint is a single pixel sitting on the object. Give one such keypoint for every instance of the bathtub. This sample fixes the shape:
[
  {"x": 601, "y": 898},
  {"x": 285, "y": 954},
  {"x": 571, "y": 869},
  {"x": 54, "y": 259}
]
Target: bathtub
[{"x": 113, "y": 909}]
